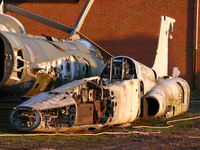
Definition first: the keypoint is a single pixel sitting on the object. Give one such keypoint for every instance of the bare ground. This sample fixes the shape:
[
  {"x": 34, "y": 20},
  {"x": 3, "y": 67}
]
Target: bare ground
[{"x": 175, "y": 140}]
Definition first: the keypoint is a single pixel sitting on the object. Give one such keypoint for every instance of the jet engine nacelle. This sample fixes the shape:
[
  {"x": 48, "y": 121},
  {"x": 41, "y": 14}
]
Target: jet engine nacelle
[{"x": 170, "y": 97}]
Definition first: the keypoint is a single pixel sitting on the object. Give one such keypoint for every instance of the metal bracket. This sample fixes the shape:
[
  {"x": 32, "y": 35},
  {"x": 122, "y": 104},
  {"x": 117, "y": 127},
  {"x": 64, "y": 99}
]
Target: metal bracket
[{"x": 81, "y": 18}]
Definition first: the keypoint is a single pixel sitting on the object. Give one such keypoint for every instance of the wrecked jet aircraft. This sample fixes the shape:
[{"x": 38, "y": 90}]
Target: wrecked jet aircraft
[
  {"x": 125, "y": 91},
  {"x": 32, "y": 64}
]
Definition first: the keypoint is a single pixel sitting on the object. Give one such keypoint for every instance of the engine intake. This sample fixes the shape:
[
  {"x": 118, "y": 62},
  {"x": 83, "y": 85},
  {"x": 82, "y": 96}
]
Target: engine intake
[{"x": 170, "y": 97}]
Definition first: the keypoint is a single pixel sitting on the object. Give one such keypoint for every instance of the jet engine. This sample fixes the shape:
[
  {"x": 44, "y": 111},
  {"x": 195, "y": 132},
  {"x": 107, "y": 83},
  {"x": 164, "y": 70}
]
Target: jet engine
[{"x": 168, "y": 98}]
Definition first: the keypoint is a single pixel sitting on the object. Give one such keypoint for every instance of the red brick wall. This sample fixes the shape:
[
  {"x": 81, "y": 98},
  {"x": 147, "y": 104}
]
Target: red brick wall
[{"x": 126, "y": 27}]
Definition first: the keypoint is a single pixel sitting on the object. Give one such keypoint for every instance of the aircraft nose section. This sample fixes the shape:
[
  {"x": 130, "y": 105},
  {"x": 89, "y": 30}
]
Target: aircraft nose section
[{"x": 25, "y": 118}]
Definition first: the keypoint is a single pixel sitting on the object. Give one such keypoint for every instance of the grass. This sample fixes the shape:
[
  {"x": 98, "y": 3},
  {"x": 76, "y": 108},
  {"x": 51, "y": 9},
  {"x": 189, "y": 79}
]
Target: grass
[
  {"x": 195, "y": 93},
  {"x": 58, "y": 142}
]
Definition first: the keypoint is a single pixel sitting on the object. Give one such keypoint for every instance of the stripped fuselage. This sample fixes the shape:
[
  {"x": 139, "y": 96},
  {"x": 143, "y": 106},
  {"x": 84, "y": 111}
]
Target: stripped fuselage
[{"x": 118, "y": 97}]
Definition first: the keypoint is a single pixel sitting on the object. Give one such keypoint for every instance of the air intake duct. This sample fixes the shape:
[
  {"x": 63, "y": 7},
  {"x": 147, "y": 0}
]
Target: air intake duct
[{"x": 170, "y": 97}]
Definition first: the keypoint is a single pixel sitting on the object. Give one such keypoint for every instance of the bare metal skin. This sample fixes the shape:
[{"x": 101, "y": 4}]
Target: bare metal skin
[
  {"x": 33, "y": 64},
  {"x": 73, "y": 84},
  {"x": 112, "y": 99}
]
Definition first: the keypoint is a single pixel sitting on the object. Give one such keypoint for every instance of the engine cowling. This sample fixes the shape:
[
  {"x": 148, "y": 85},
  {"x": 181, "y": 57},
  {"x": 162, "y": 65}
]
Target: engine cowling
[{"x": 170, "y": 97}]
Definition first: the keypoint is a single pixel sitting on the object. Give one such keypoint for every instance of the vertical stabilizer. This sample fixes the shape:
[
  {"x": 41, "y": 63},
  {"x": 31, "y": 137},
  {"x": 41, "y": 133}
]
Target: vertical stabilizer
[
  {"x": 2, "y": 7},
  {"x": 161, "y": 61}
]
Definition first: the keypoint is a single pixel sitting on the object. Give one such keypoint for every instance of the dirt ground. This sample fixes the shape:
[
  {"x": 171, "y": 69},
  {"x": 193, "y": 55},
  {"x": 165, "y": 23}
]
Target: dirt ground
[
  {"x": 184, "y": 135},
  {"x": 187, "y": 140}
]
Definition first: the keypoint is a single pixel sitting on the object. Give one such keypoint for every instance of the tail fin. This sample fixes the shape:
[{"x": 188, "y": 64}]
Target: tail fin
[
  {"x": 161, "y": 61},
  {"x": 2, "y": 7}
]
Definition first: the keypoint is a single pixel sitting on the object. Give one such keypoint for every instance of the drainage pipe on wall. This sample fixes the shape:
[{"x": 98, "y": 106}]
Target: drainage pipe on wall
[{"x": 196, "y": 43}]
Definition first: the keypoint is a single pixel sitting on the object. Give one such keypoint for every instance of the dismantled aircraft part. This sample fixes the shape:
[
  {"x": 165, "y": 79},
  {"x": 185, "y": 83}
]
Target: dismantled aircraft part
[
  {"x": 170, "y": 97},
  {"x": 11, "y": 24},
  {"x": 38, "y": 18},
  {"x": 124, "y": 68},
  {"x": 58, "y": 26},
  {"x": 81, "y": 18},
  {"x": 175, "y": 72},
  {"x": 161, "y": 61},
  {"x": 27, "y": 57},
  {"x": 65, "y": 106},
  {"x": 7, "y": 59},
  {"x": 86, "y": 102},
  {"x": 40, "y": 85},
  {"x": 126, "y": 101},
  {"x": 25, "y": 118},
  {"x": 2, "y": 7},
  {"x": 125, "y": 91}
]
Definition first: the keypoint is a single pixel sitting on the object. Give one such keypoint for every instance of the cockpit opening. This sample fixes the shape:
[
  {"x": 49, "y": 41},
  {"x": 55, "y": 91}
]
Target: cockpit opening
[{"x": 120, "y": 68}]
